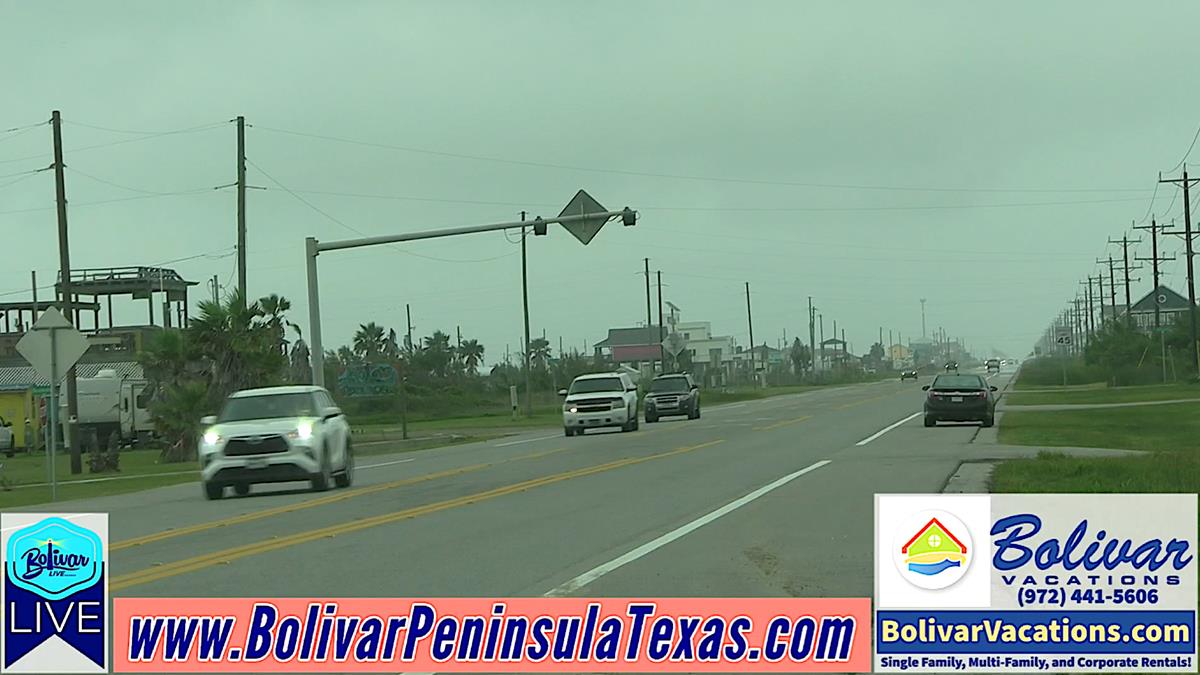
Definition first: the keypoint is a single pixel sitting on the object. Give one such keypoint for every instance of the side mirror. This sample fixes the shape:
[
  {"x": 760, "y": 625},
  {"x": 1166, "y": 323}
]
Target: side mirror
[
  {"x": 331, "y": 412},
  {"x": 208, "y": 420},
  {"x": 995, "y": 389},
  {"x": 562, "y": 392},
  {"x": 925, "y": 388},
  {"x": 631, "y": 389}
]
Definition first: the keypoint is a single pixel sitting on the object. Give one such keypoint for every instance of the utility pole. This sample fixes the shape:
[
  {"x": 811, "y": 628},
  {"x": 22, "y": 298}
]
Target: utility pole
[
  {"x": 750, "y": 323},
  {"x": 1075, "y": 328},
  {"x": 64, "y": 261},
  {"x": 525, "y": 306},
  {"x": 662, "y": 353},
  {"x": 923, "y": 317},
  {"x": 408, "y": 333},
  {"x": 1125, "y": 241},
  {"x": 1154, "y": 259},
  {"x": 648, "y": 319},
  {"x": 821, "y": 320},
  {"x": 1087, "y": 316},
  {"x": 241, "y": 204},
  {"x": 1112, "y": 287},
  {"x": 1187, "y": 237},
  {"x": 812, "y": 338}
]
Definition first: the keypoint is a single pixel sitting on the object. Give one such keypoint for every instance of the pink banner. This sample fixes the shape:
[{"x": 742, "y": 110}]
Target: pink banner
[{"x": 610, "y": 635}]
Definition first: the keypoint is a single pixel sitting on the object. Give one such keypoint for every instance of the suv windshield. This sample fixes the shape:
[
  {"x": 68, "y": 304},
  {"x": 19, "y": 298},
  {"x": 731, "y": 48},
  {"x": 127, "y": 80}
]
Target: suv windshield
[
  {"x": 958, "y": 382},
  {"x": 595, "y": 385},
  {"x": 268, "y": 406},
  {"x": 670, "y": 385}
]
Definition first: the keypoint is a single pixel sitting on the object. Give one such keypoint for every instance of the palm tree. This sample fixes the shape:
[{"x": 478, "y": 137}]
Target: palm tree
[
  {"x": 539, "y": 351},
  {"x": 471, "y": 353},
  {"x": 274, "y": 308},
  {"x": 370, "y": 341}
]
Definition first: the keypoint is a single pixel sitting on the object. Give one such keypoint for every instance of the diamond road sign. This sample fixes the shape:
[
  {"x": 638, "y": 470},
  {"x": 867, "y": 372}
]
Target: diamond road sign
[
  {"x": 581, "y": 205},
  {"x": 68, "y": 345},
  {"x": 674, "y": 344}
]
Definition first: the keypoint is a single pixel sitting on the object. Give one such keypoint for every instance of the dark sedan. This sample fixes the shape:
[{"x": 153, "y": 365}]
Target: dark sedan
[
  {"x": 908, "y": 375},
  {"x": 960, "y": 398}
]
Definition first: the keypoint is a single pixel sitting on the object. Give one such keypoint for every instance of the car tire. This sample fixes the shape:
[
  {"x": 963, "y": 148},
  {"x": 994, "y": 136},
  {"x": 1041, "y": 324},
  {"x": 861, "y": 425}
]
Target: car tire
[
  {"x": 345, "y": 477},
  {"x": 989, "y": 421},
  {"x": 212, "y": 491},
  {"x": 930, "y": 422},
  {"x": 636, "y": 422},
  {"x": 321, "y": 480},
  {"x": 694, "y": 413},
  {"x": 241, "y": 489},
  {"x": 651, "y": 419},
  {"x": 568, "y": 432}
]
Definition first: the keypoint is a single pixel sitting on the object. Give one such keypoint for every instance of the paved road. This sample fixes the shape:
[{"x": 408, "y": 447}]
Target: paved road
[{"x": 763, "y": 498}]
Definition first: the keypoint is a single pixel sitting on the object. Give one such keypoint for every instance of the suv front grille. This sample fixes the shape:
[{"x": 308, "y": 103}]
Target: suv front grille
[
  {"x": 255, "y": 445},
  {"x": 594, "y": 406}
]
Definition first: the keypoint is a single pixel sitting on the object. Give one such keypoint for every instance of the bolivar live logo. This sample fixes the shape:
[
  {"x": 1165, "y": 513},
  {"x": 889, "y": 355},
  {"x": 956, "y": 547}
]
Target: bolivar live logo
[{"x": 55, "y": 593}]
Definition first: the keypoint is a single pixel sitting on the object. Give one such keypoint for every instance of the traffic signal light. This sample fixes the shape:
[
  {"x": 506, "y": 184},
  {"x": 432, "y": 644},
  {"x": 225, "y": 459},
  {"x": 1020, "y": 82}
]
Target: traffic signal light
[{"x": 539, "y": 227}]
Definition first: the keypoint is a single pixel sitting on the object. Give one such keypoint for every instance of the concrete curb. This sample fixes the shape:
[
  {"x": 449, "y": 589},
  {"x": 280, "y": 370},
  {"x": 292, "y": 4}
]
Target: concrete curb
[{"x": 1096, "y": 406}]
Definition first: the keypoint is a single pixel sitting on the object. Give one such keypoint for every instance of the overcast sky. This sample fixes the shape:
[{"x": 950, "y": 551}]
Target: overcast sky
[{"x": 866, "y": 154}]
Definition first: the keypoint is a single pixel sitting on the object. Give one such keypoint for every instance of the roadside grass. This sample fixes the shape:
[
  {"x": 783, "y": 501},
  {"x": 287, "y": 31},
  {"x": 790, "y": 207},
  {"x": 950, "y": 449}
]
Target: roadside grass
[
  {"x": 1169, "y": 434},
  {"x": 1075, "y": 395},
  {"x": 141, "y": 470}
]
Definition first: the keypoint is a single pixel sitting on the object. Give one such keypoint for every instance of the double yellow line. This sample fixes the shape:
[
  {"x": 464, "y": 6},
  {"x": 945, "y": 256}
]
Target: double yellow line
[
  {"x": 313, "y": 503},
  {"x": 226, "y": 556},
  {"x": 783, "y": 423}
]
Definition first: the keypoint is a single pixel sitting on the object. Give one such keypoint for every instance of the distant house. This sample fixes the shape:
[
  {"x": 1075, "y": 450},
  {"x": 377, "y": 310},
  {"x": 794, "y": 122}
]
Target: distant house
[
  {"x": 1170, "y": 305},
  {"x": 632, "y": 345},
  {"x": 712, "y": 356}
]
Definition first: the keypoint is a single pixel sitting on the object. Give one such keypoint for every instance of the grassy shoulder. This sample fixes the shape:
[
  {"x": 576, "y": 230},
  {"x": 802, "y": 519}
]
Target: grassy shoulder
[
  {"x": 1079, "y": 396},
  {"x": 1168, "y": 434},
  {"x": 25, "y": 476}
]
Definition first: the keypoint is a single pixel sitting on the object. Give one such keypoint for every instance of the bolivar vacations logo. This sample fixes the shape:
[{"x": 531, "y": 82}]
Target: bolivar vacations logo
[
  {"x": 933, "y": 550},
  {"x": 55, "y": 593}
]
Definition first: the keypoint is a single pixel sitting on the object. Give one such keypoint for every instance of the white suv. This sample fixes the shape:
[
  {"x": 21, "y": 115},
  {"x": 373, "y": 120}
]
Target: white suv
[
  {"x": 600, "y": 400},
  {"x": 275, "y": 435}
]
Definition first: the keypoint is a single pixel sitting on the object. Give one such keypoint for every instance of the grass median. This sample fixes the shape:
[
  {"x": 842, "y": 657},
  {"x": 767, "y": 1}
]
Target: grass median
[
  {"x": 25, "y": 477},
  {"x": 1090, "y": 395},
  {"x": 1169, "y": 435}
]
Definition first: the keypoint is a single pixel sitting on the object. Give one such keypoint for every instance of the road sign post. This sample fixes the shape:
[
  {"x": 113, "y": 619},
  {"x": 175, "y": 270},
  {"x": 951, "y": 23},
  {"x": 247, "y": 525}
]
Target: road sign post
[
  {"x": 583, "y": 221},
  {"x": 52, "y": 347}
]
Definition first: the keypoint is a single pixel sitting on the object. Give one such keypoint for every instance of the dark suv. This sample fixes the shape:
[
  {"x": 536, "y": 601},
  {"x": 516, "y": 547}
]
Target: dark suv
[{"x": 670, "y": 395}]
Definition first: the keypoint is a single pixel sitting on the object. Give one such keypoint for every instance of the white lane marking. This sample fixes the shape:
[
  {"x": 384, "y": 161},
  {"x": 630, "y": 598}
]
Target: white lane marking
[
  {"x": 395, "y": 461},
  {"x": 730, "y": 406},
  {"x": 886, "y": 429},
  {"x": 651, "y": 546},
  {"x": 105, "y": 480},
  {"x": 527, "y": 440}
]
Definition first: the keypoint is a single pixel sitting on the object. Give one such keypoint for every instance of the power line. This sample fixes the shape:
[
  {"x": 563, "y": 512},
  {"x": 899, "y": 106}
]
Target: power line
[
  {"x": 1186, "y": 154},
  {"x": 127, "y": 187},
  {"x": 649, "y": 174},
  {"x": 314, "y": 207},
  {"x": 112, "y": 201},
  {"x": 85, "y": 148},
  {"x": 23, "y": 176}
]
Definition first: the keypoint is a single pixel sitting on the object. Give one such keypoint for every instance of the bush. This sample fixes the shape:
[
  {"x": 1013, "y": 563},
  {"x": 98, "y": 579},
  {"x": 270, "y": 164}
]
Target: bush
[{"x": 1048, "y": 371}]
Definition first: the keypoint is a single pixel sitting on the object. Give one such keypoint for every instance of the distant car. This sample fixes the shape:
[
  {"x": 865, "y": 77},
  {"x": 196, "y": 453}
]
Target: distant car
[
  {"x": 276, "y": 435},
  {"x": 908, "y": 375},
  {"x": 952, "y": 366},
  {"x": 960, "y": 398},
  {"x": 993, "y": 365},
  {"x": 600, "y": 400},
  {"x": 672, "y": 395}
]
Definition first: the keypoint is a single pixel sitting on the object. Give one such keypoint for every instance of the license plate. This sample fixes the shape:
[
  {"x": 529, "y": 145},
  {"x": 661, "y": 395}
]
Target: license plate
[
  {"x": 956, "y": 399},
  {"x": 256, "y": 464}
]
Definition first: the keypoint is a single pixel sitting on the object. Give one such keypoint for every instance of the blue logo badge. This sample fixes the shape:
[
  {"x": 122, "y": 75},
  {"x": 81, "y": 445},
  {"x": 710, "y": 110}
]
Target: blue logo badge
[{"x": 54, "y": 558}]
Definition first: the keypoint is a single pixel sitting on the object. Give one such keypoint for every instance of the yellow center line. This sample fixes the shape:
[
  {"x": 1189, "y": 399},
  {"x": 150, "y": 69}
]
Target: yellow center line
[
  {"x": 783, "y": 423},
  {"x": 312, "y": 503},
  {"x": 226, "y": 556}
]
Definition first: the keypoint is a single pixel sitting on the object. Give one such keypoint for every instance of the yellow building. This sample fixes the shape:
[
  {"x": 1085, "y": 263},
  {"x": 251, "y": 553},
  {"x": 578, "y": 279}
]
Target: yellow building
[{"x": 16, "y": 407}]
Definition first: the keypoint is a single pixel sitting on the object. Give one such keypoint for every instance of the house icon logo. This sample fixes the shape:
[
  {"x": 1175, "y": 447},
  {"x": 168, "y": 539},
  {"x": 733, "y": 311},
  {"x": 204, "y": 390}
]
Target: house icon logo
[{"x": 933, "y": 550}]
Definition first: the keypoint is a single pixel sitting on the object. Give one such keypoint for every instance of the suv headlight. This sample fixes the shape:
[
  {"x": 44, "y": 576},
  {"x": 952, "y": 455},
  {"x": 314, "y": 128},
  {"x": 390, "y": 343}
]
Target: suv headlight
[
  {"x": 303, "y": 432},
  {"x": 570, "y": 407},
  {"x": 619, "y": 403},
  {"x": 211, "y": 437}
]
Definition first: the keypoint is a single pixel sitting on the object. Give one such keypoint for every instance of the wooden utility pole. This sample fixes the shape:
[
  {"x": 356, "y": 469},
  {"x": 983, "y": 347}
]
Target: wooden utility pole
[
  {"x": 662, "y": 352},
  {"x": 812, "y": 336},
  {"x": 1155, "y": 259},
  {"x": 241, "y": 204},
  {"x": 525, "y": 306},
  {"x": 649, "y": 321},
  {"x": 750, "y": 323},
  {"x": 1125, "y": 242},
  {"x": 64, "y": 262},
  {"x": 1187, "y": 183}
]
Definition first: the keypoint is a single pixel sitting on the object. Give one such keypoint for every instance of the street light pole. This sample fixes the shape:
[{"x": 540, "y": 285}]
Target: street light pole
[
  {"x": 313, "y": 248},
  {"x": 525, "y": 304}
]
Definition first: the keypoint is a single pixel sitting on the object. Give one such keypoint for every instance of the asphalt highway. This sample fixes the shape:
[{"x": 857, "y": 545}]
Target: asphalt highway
[{"x": 763, "y": 498}]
